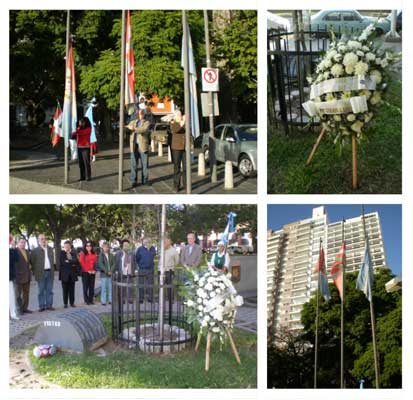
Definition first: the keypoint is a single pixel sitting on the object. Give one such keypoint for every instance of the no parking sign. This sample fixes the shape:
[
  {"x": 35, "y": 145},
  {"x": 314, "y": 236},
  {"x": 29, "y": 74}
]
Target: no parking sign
[{"x": 210, "y": 79}]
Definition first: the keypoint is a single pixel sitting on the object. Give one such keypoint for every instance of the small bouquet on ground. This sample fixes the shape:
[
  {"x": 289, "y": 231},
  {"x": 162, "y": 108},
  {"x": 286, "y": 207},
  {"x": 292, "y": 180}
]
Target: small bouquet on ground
[
  {"x": 347, "y": 87},
  {"x": 44, "y": 350},
  {"x": 212, "y": 302}
]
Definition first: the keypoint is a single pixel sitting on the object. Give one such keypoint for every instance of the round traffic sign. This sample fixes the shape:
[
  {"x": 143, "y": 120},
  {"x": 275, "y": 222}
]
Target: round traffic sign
[{"x": 210, "y": 75}]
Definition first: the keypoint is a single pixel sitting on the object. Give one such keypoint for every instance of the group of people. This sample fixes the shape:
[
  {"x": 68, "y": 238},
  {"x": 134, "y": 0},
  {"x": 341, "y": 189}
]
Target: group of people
[
  {"x": 139, "y": 148},
  {"x": 40, "y": 263}
]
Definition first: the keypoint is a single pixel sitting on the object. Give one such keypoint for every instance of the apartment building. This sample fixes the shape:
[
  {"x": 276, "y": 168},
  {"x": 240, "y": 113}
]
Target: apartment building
[{"x": 293, "y": 251}]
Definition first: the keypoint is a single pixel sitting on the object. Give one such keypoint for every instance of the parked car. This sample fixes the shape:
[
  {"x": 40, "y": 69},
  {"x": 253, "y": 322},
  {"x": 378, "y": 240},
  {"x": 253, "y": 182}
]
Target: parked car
[
  {"x": 236, "y": 143},
  {"x": 346, "y": 21}
]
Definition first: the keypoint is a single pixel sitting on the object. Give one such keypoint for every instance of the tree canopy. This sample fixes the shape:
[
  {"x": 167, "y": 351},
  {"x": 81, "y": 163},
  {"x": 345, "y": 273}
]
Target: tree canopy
[
  {"x": 358, "y": 350},
  {"x": 37, "y": 51}
]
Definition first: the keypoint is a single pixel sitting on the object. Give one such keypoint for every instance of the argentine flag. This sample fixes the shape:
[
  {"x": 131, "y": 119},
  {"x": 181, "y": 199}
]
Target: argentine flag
[{"x": 366, "y": 277}]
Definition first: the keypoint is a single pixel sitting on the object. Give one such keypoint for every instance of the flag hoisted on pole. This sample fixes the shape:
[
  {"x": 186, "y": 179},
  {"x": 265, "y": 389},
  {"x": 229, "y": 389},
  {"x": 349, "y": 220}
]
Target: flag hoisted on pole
[
  {"x": 338, "y": 271},
  {"x": 121, "y": 105},
  {"x": 322, "y": 287},
  {"x": 89, "y": 114},
  {"x": 364, "y": 283},
  {"x": 229, "y": 228},
  {"x": 69, "y": 118},
  {"x": 57, "y": 125},
  {"x": 188, "y": 109},
  {"x": 129, "y": 68},
  {"x": 193, "y": 96}
]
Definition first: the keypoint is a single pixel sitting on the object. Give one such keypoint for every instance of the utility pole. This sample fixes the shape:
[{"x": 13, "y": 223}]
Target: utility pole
[
  {"x": 66, "y": 142},
  {"x": 187, "y": 105},
  {"x": 121, "y": 106},
  {"x": 212, "y": 160}
]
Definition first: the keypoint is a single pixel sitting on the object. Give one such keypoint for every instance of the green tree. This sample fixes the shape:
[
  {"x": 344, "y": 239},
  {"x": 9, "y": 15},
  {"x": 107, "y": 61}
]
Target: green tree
[{"x": 357, "y": 338}]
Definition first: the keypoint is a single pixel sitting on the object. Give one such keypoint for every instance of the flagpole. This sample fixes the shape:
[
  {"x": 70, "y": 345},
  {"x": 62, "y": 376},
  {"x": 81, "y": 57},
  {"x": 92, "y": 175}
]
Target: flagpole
[
  {"x": 373, "y": 320},
  {"x": 342, "y": 308},
  {"x": 187, "y": 105},
  {"x": 317, "y": 320},
  {"x": 66, "y": 147},
  {"x": 121, "y": 106},
  {"x": 212, "y": 160}
]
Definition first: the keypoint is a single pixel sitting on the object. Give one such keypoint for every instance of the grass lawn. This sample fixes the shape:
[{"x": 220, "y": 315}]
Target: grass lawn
[
  {"x": 379, "y": 158},
  {"x": 129, "y": 369}
]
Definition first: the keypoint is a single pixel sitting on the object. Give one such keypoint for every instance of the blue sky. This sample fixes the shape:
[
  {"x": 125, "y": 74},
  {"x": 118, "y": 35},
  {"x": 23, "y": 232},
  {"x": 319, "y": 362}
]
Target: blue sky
[{"x": 390, "y": 218}]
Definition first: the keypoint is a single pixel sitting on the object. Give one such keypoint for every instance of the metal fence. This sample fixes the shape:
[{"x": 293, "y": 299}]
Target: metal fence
[
  {"x": 292, "y": 57},
  {"x": 137, "y": 317}
]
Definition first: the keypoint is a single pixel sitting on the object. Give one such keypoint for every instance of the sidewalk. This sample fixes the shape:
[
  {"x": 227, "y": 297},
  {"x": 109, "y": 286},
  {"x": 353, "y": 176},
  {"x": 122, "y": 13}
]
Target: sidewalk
[{"x": 25, "y": 176}]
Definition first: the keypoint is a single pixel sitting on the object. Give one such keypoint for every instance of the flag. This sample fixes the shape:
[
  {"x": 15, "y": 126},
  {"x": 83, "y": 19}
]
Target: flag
[
  {"x": 129, "y": 68},
  {"x": 337, "y": 269},
  {"x": 193, "y": 97},
  {"x": 57, "y": 125},
  {"x": 229, "y": 228},
  {"x": 69, "y": 116},
  {"x": 365, "y": 278},
  {"x": 320, "y": 267},
  {"x": 89, "y": 114}
]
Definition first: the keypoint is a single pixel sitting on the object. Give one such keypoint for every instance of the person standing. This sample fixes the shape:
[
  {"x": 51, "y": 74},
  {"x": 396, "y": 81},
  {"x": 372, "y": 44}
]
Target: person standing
[
  {"x": 145, "y": 256},
  {"x": 43, "y": 267},
  {"x": 82, "y": 136},
  {"x": 139, "y": 146},
  {"x": 178, "y": 149},
  {"x": 220, "y": 259},
  {"x": 23, "y": 275},
  {"x": 171, "y": 261},
  {"x": 191, "y": 254},
  {"x": 88, "y": 259},
  {"x": 125, "y": 265},
  {"x": 12, "y": 276},
  {"x": 106, "y": 266},
  {"x": 69, "y": 270}
]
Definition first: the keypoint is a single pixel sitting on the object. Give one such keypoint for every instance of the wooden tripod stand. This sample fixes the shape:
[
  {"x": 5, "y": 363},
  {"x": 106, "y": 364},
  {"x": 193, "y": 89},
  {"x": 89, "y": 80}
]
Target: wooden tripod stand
[
  {"x": 354, "y": 155},
  {"x": 208, "y": 347}
]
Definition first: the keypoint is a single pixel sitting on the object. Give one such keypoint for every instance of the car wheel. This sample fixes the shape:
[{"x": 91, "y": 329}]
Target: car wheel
[{"x": 245, "y": 166}]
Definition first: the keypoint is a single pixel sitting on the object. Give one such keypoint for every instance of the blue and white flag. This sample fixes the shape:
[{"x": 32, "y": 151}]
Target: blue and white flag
[
  {"x": 229, "y": 228},
  {"x": 89, "y": 114},
  {"x": 193, "y": 97},
  {"x": 366, "y": 277},
  {"x": 320, "y": 269}
]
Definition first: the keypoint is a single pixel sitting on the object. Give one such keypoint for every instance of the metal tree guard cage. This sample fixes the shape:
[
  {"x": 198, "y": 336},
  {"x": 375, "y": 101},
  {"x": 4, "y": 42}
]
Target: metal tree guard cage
[
  {"x": 136, "y": 318},
  {"x": 291, "y": 58}
]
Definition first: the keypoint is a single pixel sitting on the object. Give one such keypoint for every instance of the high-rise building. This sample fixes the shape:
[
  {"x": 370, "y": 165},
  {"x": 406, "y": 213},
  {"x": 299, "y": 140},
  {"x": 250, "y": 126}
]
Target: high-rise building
[{"x": 293, "y": 251}]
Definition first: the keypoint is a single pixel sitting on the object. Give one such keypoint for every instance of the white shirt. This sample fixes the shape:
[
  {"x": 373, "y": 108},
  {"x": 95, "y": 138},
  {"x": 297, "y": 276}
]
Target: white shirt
[
  {"x": 46, "y": 259},
  {"x": 171, "y": 259}
]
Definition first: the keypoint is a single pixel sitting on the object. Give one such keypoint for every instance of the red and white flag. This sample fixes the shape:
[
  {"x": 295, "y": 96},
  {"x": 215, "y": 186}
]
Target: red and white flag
[
  {"x": 57, "y": 125},
  {"x": 337, "y": 269},
  {"x": 129, "y": 68}
]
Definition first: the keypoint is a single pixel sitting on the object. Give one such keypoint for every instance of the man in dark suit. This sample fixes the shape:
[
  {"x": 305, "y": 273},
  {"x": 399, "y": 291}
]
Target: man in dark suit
[
  {"x": 22, "y": 281},
  {"x": 43, "y": 266}
]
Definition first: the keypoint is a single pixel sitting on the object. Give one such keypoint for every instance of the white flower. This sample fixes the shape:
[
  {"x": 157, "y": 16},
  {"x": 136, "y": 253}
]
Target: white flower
[
  {"x": 201, "y": 282},
  {"x": 337, "y": 117},
  {"x": 376, "y": 98},
  {"x": 309, "y": 80},
  {"x": 217, "y": 314},
  {"x": 331, "y": 54},
  {"x": 337, "y": 70},
  {"x": 207, "y": 318},
  {"x": 215, "y": 329},
  {"x": 208, "y": 287},
  {"x": 365, "y": 93},
  {"x": 365, "y": 48},
  {"x": 376, "y": 76},
  {"x": 370, "y": 56},
  {"x": 212, "y": 294},
  {"x": 342, "y": 48},
  {"x": 360, "y": 53},
  {"x": 205, "y": 302},
  {"x": 368, "y": 117},
  {"x": 330, "y": 97},
  {"x": 361, "y": 68},
  {"x": 350, "y": 59},
  {"x": 338, "y": 57},
  {"x": 200, "y": 293},
  {"x": 327, "y": 63},
  {"x": 349, "y": 69},
  {"x": 239, "y": 301},
  {"x": 199, "y": 301},
  {"x": 326, "y": 75},
  {"x": 204, "y": 323},
  {"x": 200, "y": 308},
  {"x": 384, "y": 63},
  {"x": 357, "y": 126},
  {"x": 354, "y": 44},
  {"x": 190, "y": 303},
  {"x": 351, "y": 117}
]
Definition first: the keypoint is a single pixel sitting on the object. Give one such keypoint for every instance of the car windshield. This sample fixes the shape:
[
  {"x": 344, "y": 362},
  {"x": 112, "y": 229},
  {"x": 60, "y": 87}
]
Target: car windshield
[{"x": 247, "y": 132}]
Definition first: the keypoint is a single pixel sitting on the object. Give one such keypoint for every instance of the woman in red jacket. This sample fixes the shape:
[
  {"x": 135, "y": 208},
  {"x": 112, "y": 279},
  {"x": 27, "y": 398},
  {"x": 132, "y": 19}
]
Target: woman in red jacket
[
  {"x": 88, "y": 259},
  {"x": 82, "y": 136}
]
